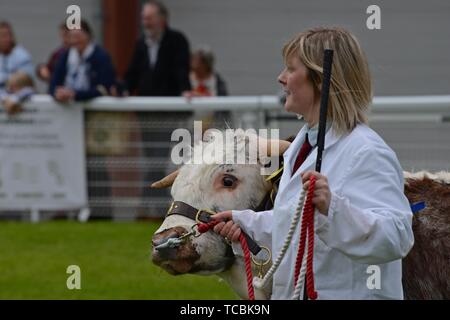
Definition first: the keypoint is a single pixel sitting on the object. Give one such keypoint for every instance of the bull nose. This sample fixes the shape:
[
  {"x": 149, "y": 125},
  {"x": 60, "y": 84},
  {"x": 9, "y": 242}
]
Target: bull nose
[
  {"x": 163, "y": 236},
  {"x": 163, "y": 254},
  {"x": 156, "y": 241}
]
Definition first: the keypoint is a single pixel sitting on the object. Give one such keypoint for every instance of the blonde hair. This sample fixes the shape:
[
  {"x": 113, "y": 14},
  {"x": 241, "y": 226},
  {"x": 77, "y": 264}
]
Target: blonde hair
[{"x": 351, "y": 85}]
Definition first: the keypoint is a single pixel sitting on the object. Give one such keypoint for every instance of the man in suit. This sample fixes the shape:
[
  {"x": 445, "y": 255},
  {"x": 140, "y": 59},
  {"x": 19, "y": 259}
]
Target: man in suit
[
  {"x": 159, "y": 67},
  {"x": 160, "y": 63},
  {"x": 84, "y": 70}
]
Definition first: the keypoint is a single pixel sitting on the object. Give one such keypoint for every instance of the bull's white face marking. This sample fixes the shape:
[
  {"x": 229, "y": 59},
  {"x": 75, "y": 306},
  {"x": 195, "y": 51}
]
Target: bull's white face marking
[
  {"x": 217, "y": 185},
  {"x": 220, "y": 187},
  {"x": 173, "y": 221},
  {"x": 217, "y": 188}
]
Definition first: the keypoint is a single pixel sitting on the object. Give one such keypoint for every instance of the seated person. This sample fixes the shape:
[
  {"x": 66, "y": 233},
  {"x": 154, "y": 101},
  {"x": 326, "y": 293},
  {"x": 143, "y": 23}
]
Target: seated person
[
  {"x": 19, "y": 88},
  {"x": 206, "y": 82},
  {"x": 83, "y": 72}
]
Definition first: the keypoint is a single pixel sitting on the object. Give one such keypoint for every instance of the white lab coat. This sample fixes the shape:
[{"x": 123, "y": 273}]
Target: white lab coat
[{"x": 369, "y": 220}]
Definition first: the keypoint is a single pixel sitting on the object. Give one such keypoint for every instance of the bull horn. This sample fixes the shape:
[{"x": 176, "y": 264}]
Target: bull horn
[
  {"x": 283, "y": 145},
  {"x": 165, "y": 182}
]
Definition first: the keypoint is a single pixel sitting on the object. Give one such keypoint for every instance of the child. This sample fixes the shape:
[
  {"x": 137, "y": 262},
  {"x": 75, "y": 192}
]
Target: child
[{"x": 19, "y": 88}]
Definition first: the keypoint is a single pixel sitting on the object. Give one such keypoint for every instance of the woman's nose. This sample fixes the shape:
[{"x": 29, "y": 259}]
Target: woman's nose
[{"x": 281, "y": 78}]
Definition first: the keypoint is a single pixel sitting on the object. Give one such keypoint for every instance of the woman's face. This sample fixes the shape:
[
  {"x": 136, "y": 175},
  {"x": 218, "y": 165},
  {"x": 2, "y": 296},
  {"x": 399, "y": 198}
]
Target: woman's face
[
  {"x": 299, "y": 90},
  {"x": 198, "y": 66}
]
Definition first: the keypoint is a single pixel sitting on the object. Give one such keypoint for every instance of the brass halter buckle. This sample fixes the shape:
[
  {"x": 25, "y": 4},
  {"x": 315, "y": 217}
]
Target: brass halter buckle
[
  {"x": 260, "y": 264},
  {"x": 197, "y": 215}
]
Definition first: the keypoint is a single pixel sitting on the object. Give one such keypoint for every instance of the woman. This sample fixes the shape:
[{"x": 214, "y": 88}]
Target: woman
[
  {"x": 362, "y": 217},
  {"x": 205, "y": 81}
]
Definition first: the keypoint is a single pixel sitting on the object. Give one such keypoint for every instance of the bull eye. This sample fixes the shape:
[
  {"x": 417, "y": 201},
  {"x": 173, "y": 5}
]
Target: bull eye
[{"x": 228, "y": 181}]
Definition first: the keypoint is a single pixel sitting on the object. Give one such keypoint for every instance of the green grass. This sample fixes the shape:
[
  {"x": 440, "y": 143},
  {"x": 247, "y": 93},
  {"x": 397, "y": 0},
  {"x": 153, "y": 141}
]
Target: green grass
[{"x": 114, "y": 259}]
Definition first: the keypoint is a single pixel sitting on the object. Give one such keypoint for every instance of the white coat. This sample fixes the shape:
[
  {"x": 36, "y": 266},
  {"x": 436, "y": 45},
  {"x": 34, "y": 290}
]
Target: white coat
[{"x": 369, "y": 221}]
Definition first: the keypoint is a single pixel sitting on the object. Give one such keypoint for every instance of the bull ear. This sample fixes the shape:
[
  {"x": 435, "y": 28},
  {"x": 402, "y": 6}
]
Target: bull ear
[
  {"x": 283, "y": 145},
  {"x": 165, "y": 182}
]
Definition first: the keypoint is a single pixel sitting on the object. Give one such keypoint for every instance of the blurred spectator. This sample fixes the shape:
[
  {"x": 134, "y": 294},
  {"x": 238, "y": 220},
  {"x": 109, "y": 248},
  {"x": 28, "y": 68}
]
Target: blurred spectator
[
  {"x": 205, "y": 81},
  {"x": 44, "y": 71},
  {"x": 160, "y": 63},
  {"x": 13, "y": 57},
  {"x": 159, "y": 67},
  {"x": 84, "y": 71},
  {"x": 19, "y": 88}
]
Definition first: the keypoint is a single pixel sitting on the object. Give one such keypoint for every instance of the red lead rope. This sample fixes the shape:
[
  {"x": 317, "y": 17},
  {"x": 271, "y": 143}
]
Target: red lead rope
[
  {"x": 307, "y": 226},
  {"x": 204, "y": 227}
]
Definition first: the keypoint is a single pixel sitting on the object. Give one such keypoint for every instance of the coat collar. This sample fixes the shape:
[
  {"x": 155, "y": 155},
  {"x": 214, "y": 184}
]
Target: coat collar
[{"x": 331, "y": 137}]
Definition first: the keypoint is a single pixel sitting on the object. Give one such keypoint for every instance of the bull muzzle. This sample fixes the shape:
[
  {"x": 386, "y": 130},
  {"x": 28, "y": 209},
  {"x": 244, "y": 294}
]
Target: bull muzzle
[{"x": 175, "y": 259}]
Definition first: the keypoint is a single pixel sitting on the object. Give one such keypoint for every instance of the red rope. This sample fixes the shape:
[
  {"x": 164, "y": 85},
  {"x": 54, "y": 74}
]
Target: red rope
[
  {"x": 307, "y": 226},
  {"x": 204, "y": 227},
  {"x": 248, "y": 267}
]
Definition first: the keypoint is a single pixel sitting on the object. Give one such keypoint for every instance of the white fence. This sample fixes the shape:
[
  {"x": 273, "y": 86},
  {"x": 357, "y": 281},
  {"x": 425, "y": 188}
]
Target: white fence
[
  {"x": 127, "y": 140},
  {"x": 381, "y": 105}
]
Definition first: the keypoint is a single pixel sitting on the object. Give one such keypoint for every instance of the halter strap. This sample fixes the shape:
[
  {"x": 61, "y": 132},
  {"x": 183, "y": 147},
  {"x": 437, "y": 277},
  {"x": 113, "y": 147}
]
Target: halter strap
[
  {"x": 183, "y": 209},
  {"x": 204, "y": 216}
]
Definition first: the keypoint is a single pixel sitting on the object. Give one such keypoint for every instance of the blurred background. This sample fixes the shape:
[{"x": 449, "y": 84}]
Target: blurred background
[{"x": 409, "y": 55}]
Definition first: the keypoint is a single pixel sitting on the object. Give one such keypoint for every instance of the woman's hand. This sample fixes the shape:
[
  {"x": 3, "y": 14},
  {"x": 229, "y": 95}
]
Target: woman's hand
[
  {"x": 322, "y": 194},
  {"x": 63, "y": 94},
  {"x": 229, "y": 230}
]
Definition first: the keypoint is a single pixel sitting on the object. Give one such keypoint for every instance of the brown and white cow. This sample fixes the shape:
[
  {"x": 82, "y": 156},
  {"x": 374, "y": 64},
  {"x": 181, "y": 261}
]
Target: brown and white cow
[{"x": 218, "y": 187}]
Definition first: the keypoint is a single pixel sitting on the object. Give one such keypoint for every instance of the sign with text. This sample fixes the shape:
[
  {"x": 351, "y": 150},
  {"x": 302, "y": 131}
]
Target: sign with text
[{"x": 42, "y": 158}]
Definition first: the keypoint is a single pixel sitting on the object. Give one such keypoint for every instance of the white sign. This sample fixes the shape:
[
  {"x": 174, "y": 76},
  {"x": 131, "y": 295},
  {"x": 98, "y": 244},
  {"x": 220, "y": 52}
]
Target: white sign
[
  {"x": 42, "y": 158},
  {"x": 74, "y": 280}
]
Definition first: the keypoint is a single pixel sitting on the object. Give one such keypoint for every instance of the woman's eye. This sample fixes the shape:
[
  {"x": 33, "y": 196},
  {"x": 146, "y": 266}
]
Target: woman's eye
[{"x": 228, "y": 181}]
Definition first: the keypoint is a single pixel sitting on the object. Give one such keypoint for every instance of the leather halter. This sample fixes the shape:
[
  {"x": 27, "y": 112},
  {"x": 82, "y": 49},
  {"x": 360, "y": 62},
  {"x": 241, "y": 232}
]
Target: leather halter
[
  {"x": 204, "y": 216},
  {"x": 183, "y": 209}
]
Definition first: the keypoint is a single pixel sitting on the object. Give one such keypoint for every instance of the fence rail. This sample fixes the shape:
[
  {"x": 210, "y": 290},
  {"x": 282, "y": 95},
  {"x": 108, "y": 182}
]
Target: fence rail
[
  {"x": 128, "y": 143},
  {"x": 382, "y": 104}
]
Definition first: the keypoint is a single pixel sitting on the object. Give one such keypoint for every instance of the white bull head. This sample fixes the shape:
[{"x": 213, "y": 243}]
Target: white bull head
[{"x": 217, "y": 186}]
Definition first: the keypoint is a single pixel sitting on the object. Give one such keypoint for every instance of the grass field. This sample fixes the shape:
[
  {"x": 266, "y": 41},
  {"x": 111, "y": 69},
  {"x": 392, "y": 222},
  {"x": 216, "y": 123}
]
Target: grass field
[{"x": 114, "y": 259}]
